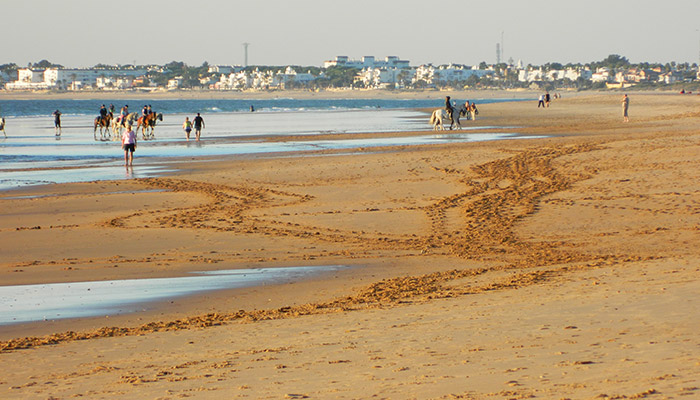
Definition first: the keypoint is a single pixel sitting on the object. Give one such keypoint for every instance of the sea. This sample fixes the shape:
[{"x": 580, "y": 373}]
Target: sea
[{"x": 31, "y": 153}]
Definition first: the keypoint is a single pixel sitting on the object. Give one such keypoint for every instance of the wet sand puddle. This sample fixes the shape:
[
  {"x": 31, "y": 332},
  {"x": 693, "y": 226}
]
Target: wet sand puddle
[
  {"x": 30, "y": 303},
  {"x": 32, "y": 155},
  {"x": 92, "y": 163}
]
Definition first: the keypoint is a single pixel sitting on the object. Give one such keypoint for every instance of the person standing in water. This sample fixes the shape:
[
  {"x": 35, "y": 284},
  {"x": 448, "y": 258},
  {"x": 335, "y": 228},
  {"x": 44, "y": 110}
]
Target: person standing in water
[
  {"x": 198, "y": 125},
  {"x": 187, "y": 127},
  {"x": 57, "y": 122},
  {"x": 129, "y": 145}
]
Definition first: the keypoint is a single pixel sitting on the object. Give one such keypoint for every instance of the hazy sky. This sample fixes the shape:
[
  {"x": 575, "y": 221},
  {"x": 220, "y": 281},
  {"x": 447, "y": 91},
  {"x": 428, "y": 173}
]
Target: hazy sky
[{"x": 82, "y": 33}]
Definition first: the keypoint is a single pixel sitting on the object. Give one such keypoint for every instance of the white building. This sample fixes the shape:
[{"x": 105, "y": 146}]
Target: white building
[
  {"x": 55, "y": 78},
  {"x": 261, "y": 79},
  {"x": 289, "y": 75},
  {"x": 530, "y": 75},
  {"x": 175, "y": 83},
  {"x": 234, "y": 81},
  {"x": 28, "y": 78},
  {"x": 367, "y": 62},
  {"x": 446, "y": 73},
  {"x": 223, "y": 69},
  {"x": 378, "y": 77},
  {"x": 601, "y": 75},
  {"x": 576, "y": 73}
]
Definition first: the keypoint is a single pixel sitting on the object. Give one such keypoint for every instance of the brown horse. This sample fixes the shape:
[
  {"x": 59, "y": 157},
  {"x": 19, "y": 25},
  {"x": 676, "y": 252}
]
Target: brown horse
[
  {"x": 147, "y": 123},
  {"x": 104, "y": 124}
]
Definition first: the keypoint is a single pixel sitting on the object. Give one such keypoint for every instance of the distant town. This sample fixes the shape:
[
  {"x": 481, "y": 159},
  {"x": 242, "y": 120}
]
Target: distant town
[{"x": 368, "y": 72}]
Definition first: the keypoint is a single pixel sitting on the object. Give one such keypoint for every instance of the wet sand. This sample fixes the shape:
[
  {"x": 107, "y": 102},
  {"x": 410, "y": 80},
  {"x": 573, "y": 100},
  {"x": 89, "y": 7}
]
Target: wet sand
[{"x": 564, "y": 267}]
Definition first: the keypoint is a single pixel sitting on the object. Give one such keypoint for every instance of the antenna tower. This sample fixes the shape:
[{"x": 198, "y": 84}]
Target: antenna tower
[
  {"x": 498, "y": 53},
  {"x": 503, "y": 47},
  {"x": 245, "y": 51}
]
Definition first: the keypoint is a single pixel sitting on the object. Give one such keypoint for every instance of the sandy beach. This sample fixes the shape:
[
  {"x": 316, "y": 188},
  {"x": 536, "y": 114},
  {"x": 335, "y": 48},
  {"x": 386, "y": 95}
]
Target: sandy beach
[{"x": 557, "y": 268}]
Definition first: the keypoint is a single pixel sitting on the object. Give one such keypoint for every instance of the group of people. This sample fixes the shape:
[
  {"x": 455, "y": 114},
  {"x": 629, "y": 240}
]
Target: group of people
[
  {"x": 129, "y": 136},
  {"x": 470, "y": 108},
  {"x": 123, "y": 112},
  {"x": 544, "y": 99},
  {"x": 197, "y": 123}
]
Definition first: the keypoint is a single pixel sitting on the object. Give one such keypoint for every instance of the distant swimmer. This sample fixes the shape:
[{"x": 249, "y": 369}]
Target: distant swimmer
[{"x": 57, "y": 122}]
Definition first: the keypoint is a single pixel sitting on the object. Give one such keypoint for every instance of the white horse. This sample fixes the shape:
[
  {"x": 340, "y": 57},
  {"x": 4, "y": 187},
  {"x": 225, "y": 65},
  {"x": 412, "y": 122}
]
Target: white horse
[
  {"x": 438, "y": 116},
  {"x": 437, "y": 119},
  {"x": 2, "y": 126},
  {"x": 117, "y": 125}
]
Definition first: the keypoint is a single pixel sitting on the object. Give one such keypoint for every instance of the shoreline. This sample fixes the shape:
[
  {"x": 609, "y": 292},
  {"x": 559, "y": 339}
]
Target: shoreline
[{"x": 595, "y": 225}]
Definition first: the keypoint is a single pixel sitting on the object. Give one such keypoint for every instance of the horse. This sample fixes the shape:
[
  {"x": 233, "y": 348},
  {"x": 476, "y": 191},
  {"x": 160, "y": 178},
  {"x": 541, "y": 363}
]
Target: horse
[
  {"x": 118, "y": 124},
  {"x": 104, "y": 123},
  {"x": 438, "y": 116},
  {"x": 2, "y": 126},
  {"x": 147, "y": 123}
]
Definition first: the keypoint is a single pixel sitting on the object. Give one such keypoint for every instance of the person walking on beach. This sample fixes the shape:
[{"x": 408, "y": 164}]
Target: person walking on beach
[
  {"x": 540, "y": 102},
  {"x": 198, "y": 125},
  {"x": 625, "y": 108},
  {"x": 57, "y": 122},
  {"x": 473, "y": 110},
  {"x": 129, "y": 145},
  {"x": 547, "y": 99},
  {"x": 187, "y": 126}
]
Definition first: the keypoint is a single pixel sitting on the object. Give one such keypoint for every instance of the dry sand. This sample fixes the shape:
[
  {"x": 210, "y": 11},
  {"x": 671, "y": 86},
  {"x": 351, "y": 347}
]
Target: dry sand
[{"x": 554, "y": 268}]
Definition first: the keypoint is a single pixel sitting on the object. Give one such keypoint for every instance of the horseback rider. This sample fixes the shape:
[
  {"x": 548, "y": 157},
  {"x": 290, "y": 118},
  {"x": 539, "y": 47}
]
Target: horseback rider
[
  {"x": 122, "y": 115},
  {"x": 103, "y": 113},
  {"x": 448, "y": 108}
]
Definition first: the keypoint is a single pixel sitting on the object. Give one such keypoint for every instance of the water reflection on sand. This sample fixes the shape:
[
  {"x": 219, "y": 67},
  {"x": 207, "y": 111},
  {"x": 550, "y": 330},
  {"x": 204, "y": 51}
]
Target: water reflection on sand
[
  {"x": 29, "y": 303},
  {"x": 31, "y": 155}
]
